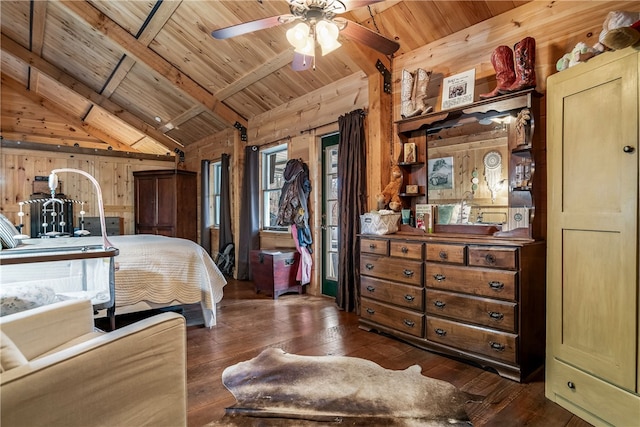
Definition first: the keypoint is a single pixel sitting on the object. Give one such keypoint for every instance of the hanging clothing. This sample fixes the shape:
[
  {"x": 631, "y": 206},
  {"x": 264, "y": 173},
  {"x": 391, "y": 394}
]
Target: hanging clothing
[
  {"x": 294, "y": 199},
  {"x": 303, "y": 275}
]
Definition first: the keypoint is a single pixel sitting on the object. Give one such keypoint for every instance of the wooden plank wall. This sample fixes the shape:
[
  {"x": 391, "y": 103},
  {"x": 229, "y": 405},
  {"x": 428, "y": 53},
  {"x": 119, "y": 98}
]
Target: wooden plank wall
[{"x": 115, "y": 175}]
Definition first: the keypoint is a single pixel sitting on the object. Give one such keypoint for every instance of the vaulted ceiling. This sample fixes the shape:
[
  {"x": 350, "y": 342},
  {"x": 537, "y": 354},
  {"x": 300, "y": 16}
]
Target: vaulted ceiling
[{"x": 147, "y": 77}]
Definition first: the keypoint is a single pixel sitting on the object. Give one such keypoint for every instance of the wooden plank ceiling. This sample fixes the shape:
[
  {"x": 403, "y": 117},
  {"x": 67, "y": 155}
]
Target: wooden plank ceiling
[{"x": 147, "y": 77}]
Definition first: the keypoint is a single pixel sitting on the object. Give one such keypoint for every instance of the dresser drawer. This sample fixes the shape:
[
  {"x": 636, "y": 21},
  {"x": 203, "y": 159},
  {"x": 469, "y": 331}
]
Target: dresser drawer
[
  {"x": 452, "y": 254},
  {"x": 494, "y": 344},
  {"x": 396, "y": 270},
  {"x": 407, "y": 321},
  {"x": 486, "y": 282},
  {"x": 491, "y": 256},
  {"x": 482, "y": 311},
  {"x": 374, "y": 246},
  {"x": 394, "y": 293},
  {"x": 407, "y": 250}
]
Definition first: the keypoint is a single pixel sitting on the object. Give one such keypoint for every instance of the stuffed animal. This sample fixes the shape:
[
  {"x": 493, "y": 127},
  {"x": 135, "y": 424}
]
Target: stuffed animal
[
  {"x": 389, "y": 194},
  {"x": 620, "y": 29},
  {"x": 580, "y": 53}
]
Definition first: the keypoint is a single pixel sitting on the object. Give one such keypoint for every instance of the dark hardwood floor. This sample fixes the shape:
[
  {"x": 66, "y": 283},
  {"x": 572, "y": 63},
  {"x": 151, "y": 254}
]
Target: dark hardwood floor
[{"x": 302, "y": 324}]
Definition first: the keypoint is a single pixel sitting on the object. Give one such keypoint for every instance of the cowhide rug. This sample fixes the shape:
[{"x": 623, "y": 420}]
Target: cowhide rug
[{"x": 277, "y": 389}]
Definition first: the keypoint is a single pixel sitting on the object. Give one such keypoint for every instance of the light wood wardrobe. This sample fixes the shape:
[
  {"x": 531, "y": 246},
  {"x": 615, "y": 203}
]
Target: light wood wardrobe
[{"x": 593, "y": 300}]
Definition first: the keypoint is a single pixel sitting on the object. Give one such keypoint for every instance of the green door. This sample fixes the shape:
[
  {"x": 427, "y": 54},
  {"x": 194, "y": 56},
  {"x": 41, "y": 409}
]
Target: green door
[{"x": 330, "y": 215}]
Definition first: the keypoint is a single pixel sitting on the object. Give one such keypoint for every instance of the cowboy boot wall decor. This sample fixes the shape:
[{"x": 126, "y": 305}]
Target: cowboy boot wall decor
[
  {"x": 502, "y": 61},
  {"x": 406, "y": 90},
  {"x": 525, "y": 61},
  {"x": 421, "y": 86}
]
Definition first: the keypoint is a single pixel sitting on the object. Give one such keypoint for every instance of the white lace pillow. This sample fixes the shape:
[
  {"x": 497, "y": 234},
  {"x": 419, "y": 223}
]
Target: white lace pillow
[{"x": 7, "y": 233}]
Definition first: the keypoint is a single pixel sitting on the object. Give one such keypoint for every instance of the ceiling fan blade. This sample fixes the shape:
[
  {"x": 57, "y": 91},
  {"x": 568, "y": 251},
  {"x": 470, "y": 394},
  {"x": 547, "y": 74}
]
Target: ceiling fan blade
[
  {"x": 376, "y": 41},
  {"x": 247, "y": 27},
  {"x": 301, "y": 62},
  {"x": 354, "y": 4}
]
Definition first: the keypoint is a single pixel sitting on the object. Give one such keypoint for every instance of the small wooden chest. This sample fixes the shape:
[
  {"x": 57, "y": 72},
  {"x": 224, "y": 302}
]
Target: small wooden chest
[{"x": 275, "y": 271}]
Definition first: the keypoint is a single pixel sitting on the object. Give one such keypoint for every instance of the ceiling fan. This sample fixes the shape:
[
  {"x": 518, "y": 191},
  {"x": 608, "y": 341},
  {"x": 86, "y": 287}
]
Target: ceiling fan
[{"x": 318, "y": 22}]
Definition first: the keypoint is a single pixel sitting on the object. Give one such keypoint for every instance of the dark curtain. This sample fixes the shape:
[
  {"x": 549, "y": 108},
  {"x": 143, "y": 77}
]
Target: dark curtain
[
  {"x": 352, "y": 202},
  {"x": 226, "y": 235},
  {"x": 205, "y": 221},
  {"x": 249, "y": 212}
]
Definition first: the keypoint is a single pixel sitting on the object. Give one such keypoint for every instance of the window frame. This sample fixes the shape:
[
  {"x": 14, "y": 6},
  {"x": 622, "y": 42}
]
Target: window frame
[
  {"x": 265, "y": 183},
  {"x": 215, "y": 174}
]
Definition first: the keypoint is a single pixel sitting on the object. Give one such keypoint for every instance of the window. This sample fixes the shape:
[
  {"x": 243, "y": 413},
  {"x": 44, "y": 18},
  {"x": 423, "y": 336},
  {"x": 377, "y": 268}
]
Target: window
[
  {"x": 274, "y": 160},
  {"x": 215, "y": 169}
]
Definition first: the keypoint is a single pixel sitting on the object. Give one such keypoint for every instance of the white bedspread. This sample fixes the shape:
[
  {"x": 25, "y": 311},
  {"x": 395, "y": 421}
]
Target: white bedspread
[{"x": 158, "y": 270}]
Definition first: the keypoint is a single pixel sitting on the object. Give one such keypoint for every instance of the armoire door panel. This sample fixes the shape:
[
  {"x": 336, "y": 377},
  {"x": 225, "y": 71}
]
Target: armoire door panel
[
  {"x": 598, "y": 306},
  {"x": 146, "y": 202},
  {"x": 166, "y": 201}
]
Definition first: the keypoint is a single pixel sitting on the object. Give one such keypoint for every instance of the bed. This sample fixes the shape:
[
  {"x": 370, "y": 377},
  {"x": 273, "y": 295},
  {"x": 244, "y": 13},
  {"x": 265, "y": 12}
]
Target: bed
[{"x": 151, "y": 272}]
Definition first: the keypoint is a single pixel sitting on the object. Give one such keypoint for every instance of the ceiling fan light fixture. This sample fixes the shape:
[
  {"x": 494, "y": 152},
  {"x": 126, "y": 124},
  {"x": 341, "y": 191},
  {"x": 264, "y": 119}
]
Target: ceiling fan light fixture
[
  {"x": 298, "y": 35},
  {"x": 309, "y": 48},
  {"x": 327, "y": 35}
]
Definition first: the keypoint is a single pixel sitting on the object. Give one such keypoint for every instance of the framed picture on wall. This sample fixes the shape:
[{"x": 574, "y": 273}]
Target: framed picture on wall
[
  {"x": 440, "y": 173},
  {"x": 410, "y": 155},
  {"x": 457, "y": 90}
]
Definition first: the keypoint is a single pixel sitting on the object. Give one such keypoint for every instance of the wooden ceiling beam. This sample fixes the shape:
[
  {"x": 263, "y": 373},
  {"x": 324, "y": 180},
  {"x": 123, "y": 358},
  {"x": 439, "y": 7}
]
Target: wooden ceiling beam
[
  {"x": 283, "y": 59},
  {"x": 11, "y": 47},
  {"x": 39, "y": 17},
  {"x": 99, "y": 21},
  {"x": 159, "y": 19},
  {"x": 71, "y": 119}
]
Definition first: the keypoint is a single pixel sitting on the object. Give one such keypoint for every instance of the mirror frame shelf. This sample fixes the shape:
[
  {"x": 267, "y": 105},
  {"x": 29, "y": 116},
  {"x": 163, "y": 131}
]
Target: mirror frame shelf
[{"x": 525, "y": 144}]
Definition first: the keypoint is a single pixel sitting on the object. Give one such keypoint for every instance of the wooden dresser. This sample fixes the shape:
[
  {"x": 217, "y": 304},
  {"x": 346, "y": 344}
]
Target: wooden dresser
[
  {"x": 481, "y": 300},
  {"x": 166, "y": 203}
]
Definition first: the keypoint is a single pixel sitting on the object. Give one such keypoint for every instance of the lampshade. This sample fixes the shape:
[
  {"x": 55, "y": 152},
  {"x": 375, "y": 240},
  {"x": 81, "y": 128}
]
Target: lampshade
[
  {"x": 298, "y": 35},
  {"x": 327, "y": 35},
  {"x": 309, "y": 48}
]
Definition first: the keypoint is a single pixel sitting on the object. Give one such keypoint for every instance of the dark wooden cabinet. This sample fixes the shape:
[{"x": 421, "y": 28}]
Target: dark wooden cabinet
[{"x": 166, "y": 203}]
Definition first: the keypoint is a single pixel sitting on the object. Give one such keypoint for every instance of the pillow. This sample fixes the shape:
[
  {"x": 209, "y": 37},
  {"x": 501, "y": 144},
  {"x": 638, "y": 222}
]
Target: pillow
[
  {"x": 10, "y": 356},
  {"x": 17, "y": 298},
  {"x": 7, "y": 233}
]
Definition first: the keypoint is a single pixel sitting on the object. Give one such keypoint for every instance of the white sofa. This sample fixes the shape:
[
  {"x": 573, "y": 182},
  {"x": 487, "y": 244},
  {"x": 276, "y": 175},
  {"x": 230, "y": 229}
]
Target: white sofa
[{"x": 58, "y": 370}]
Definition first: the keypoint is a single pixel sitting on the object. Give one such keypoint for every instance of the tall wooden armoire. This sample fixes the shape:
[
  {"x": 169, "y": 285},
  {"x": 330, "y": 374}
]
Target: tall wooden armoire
[
  {"x": 593, "y": 297},
  {"x": 166, "y": 203}
]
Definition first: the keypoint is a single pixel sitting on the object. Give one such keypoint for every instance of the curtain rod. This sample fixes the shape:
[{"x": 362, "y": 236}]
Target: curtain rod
[{"x": 365, "y": 111}]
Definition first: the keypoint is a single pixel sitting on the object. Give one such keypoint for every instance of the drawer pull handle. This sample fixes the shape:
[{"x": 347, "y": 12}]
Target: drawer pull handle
[
  {"x": 443, "y": 255},
  {"x": 371, "y": 288},
  {"x": 439, "y": 277},
  {"x": 490, "y": 259},
  {"x": 289, "y": 261},
  {"x": 404, "y": 249},
  {"x": 496, "y": 346},
  {"x": 496, "y": 286},
  {"x": 495, "y": 315},
  {"x": 439, "y": 304},
  {"x": 369, "y": 266},
  {"x": 409, "y": 298},
  {"x": 409, "y": 323},
  {"x": 371, "y": 311},
  {"x": 372, "y": 246},
  {"x": 408, "y": 273},
  {"x": 440, "y": 332},
  {"x": 571, "y": 385}
]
